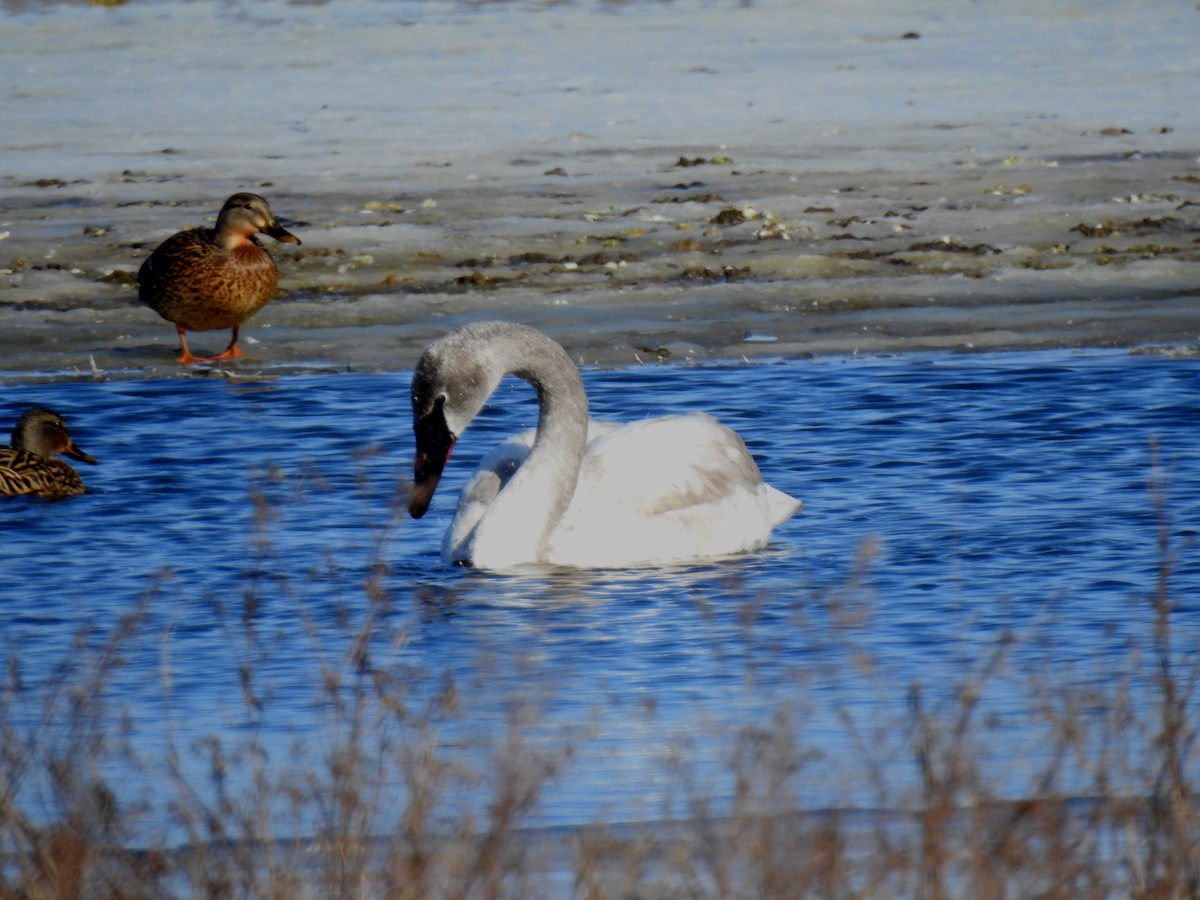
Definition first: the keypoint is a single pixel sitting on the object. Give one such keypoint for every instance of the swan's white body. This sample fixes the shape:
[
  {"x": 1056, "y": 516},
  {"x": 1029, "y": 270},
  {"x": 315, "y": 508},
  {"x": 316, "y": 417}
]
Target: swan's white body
[{"x": 575, "y": 492}]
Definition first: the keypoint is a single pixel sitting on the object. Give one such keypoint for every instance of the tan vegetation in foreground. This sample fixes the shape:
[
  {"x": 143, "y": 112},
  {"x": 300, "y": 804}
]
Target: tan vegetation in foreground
[{"x": 1132, "y": 831}]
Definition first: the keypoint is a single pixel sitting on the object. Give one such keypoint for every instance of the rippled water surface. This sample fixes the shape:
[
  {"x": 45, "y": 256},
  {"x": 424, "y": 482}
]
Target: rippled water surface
[{"x": 951, "y": 502}]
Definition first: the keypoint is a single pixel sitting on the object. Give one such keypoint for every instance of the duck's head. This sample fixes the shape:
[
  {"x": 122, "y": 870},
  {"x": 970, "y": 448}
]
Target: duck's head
[
  {"x": 245, "y": 215},
  {"x": 43, "y": 431}
]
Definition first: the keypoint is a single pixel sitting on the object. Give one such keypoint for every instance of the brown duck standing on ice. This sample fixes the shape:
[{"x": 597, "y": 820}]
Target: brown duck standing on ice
[
  {"x": 215, "y": 277},
  {"x": 29, "y": 466}
]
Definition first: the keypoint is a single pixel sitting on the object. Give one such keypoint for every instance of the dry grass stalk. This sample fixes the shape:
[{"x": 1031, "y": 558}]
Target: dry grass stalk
[{"x": 391, "y": 811}]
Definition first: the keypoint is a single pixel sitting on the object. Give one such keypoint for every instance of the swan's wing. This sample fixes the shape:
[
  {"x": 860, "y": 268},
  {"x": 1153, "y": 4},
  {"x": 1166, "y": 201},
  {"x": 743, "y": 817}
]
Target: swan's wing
[
  {"x": 666, "y": 464},
  {"x": 672, "y": 488},
  {"x": 495, "y": 470}
]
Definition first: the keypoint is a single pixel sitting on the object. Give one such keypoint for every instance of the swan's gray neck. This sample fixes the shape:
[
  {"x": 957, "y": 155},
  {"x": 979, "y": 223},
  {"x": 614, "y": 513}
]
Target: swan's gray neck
[{"x": 530, "y": 506}]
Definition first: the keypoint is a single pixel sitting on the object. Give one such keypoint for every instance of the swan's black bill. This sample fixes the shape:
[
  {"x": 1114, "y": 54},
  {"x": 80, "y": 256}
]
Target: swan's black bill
[{"x": 434, "y": 443}]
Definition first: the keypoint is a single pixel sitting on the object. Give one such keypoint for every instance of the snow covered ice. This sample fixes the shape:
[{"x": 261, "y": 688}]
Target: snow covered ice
[{"x": 641, "y": 180}]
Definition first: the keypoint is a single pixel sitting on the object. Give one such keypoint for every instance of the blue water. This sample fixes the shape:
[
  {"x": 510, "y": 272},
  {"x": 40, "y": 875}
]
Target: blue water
[{"x": 956, "y": 507}]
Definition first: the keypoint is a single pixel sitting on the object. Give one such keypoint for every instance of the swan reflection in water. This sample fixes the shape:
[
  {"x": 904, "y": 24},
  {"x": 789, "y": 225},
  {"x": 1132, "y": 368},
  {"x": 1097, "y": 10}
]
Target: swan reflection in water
[{"x": 573, "y": 491}]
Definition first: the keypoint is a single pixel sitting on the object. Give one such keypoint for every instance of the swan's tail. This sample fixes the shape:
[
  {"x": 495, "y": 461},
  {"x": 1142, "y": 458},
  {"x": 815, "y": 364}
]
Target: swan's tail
[{"x": 781, "y": 506}]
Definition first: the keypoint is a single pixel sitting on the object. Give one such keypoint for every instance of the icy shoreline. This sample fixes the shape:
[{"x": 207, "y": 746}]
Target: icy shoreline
[
  {"x": 859, "y": 178},
  {"x": 875, "y": 266}
]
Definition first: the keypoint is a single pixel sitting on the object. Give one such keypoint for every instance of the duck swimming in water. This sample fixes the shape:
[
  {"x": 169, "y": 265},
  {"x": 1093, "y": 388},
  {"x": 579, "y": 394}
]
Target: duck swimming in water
[
  {"x": 29, "y": 465},
  {"x": 575, "y": 492},
  {"x": 218, "y": 277}
]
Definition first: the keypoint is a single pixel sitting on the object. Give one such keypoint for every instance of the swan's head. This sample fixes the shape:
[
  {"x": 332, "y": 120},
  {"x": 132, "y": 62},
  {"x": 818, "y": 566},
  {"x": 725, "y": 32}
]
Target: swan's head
[
  {"x": 435, "y": 440},
  {"x": 451, "y": 383}
]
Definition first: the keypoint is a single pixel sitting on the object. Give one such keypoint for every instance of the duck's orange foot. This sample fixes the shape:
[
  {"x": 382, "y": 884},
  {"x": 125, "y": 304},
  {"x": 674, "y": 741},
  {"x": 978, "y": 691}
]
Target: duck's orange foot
[{"x": 231, "y": 352}]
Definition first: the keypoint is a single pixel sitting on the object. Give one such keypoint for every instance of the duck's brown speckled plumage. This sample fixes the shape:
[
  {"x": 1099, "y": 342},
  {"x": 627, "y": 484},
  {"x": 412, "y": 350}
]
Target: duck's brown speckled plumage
[
  {"x": 29, "y": 465},
  {"x": 215, "y": 277}
]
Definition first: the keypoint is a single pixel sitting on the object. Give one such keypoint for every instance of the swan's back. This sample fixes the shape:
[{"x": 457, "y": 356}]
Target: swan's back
[{"x": 667, "y": 490}]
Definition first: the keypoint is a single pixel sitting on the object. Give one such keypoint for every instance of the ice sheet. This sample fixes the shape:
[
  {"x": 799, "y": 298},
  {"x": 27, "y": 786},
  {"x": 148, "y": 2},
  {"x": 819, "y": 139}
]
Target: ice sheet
[{"x": 450, "y": 161}]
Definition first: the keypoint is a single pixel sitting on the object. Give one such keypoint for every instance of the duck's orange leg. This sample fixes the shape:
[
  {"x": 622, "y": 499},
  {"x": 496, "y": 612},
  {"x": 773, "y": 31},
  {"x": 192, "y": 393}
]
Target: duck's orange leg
[
  {"x": 233, "y": 350},
  {"x": 185, "y": 355},
  {"x": 230, "y": 352}
]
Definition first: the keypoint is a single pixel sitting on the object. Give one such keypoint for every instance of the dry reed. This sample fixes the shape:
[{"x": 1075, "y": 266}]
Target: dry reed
[{"x": 388, "y": 811}]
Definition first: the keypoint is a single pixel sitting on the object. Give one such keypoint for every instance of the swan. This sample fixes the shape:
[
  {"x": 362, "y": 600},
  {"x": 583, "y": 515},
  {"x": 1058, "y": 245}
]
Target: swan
[{"x": 575, "y": 492}]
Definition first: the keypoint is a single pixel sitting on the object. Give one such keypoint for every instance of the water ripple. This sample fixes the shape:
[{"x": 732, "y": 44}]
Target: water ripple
[{"x": 950, "y": 501}]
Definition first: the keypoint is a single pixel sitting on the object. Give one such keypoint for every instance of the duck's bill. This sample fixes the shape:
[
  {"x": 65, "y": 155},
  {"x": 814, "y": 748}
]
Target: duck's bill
[
  {"x": 281, "y": 234},
  {"x": 75, "y": 453},
  {"x": 434, "y": 443}
]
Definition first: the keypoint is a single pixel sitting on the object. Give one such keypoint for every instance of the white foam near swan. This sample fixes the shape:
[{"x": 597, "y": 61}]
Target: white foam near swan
[{"x": 575, "y": 492}]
